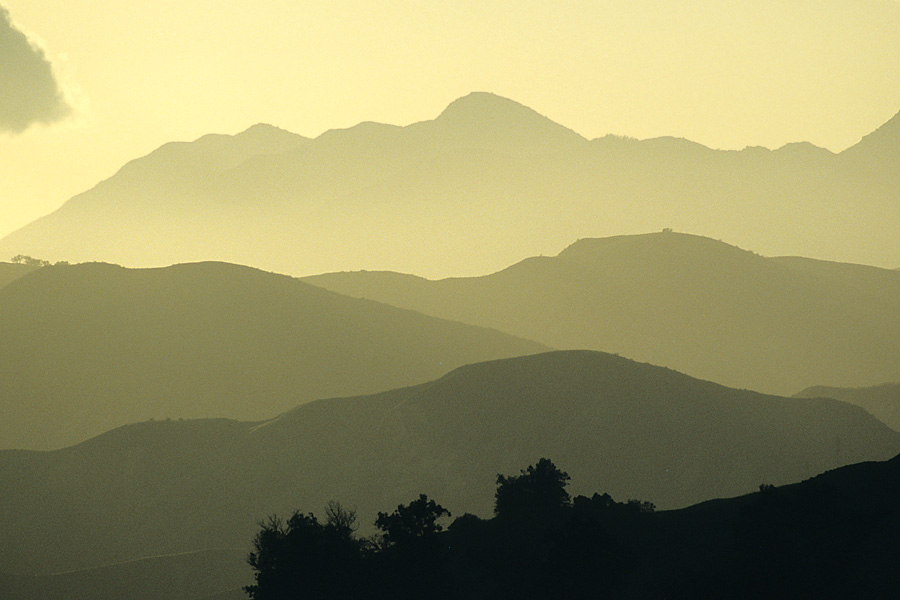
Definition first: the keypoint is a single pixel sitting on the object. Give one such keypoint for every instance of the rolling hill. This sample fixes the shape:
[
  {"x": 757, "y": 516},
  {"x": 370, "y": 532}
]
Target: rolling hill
[
  {"x": 882, "y": 401},
  {"x": 630, "y": 429},
  {"x": 832, "y": 536},
  {"x": 85, "y": 348},
  {"x": 686, "y": 302},
  {"x": 9, "y": 272},
  {"x": 486, "y": 182}
]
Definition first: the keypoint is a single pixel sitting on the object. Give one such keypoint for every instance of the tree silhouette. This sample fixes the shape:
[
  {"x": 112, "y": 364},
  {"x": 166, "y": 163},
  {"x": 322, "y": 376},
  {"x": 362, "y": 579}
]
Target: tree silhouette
[
  {"x": 341, "y": 519},
  {"x": 29, "y": 261},
  {"x": 302, "y": 558},
  {"x": 540, "y": 544},
  {"x": 416, "y": 521},
  {"x": 538, "y": 493},
  {"x": 410, "y": 565}
]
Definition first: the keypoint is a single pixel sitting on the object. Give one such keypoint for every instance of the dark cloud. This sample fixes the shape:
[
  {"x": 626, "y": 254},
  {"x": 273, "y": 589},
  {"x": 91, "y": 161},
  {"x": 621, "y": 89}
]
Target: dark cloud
[{"x": 29, "y": 93}]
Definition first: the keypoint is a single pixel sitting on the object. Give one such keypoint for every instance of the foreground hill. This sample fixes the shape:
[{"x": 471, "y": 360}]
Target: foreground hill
[
  {"x": 85, "y": 348},
  {"x": 882, "y": 401},
  {"x": 833, "y": 536},
  {"x": 694, "y": 304},
  {"x": 632, "y": 429},
  {"x": 486, "y": 182}
]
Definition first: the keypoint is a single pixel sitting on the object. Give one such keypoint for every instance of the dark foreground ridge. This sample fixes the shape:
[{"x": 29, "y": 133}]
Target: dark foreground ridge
[{"x": 833, "y": 536}]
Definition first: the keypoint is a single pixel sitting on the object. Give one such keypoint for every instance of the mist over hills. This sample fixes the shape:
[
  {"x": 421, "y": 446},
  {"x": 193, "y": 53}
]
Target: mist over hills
[
  {"x": 89, "y": 347},
  {"x": 138, "y": 404},
  {"x": 631, "y": 429},
  {"x": 882, "y": 401},
  {"x": 694, "y": 304},
  {"x": 486, "y": 182}
]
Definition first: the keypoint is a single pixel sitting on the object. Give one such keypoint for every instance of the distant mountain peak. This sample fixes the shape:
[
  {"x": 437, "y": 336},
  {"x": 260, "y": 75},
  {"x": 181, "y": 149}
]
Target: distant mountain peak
[
  {"x": 263, "y": 138},
  {"x": 260, "y": 128},
  {"x": 266, "y": 131},
  {"x": 803, "y": 148},
  {"x": 666, "y": 241},
  {"x": 485, "y": 104},
  {"x": 489, "y": 113}
]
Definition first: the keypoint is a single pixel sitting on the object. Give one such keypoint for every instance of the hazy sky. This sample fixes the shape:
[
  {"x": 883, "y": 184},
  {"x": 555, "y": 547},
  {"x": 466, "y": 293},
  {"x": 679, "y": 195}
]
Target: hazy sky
[{"x": 132, "y": 76}]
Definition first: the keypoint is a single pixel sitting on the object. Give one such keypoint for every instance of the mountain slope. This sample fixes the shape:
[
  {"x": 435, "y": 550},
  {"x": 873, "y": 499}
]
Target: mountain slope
[
  {"x": 486, "y": 182},
  {"x": 85, "y": 348},
  {"x": 188, "y": 576},
  {"x": 631, "y": 429},
  {"x": 9, "y": 272},
  {"x": 832, "y": 536},
  {"x": 880, "y": 145},
  {"x": 686, "y": 302},
  {"x": 882, "y": 401}
]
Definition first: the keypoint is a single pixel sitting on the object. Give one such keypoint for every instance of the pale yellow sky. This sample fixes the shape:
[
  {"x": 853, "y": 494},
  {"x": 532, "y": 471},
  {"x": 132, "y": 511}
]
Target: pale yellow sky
[{"x": 725, "y": 74}]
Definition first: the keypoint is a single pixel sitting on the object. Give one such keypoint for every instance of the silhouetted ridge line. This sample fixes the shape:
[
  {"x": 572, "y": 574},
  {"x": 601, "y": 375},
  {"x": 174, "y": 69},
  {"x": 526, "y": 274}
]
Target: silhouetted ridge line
[
  {"x": 885, "y": 138},
  {"x": 635, "y": 430},
  {"x": 486, "y": 182},
  {"x": 115, "y": 345},
  {"x": 804, "y": 148},
  {"x": 775, "y": 325},
  {"x": 485, "y": 107},
  {"x": 664, "y": 244},
  {"x": 832, "y": 536},
  {"x": 484, "y": 117},
  {"x": 882, "y": 401}
]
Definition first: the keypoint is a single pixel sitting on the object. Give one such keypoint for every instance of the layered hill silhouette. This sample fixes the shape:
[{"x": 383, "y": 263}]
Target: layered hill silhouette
[
  {"x": 631, "y": 429},
  {"x": 833, "y": 536},
  {"x": 9, "y": 272},
  {"x": 882, "y": 401},
  {"x": 694, "y": 304},
  {"x": 486, "y": 182},
  {"x": 89, "y": 347}
]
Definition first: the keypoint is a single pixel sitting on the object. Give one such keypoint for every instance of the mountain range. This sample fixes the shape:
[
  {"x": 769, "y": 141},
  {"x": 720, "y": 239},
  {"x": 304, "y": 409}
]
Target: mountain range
[
  {"x": 634, "y": 430},
  {"x": 485, "y": 183},
  {"x": 153, "y": 413},
  {"x": 86, "y": 348},
  {"x": 694, "y": 304}
]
